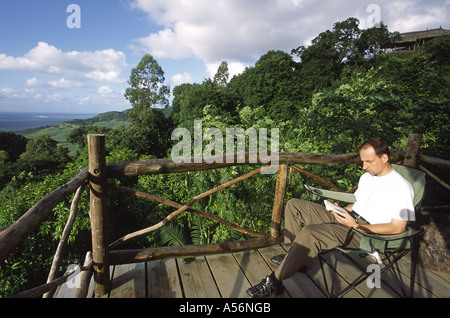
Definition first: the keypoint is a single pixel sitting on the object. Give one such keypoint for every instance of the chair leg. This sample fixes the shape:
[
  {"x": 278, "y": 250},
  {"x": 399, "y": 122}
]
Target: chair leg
[
  {"x": 349, "y": 288},
  {"x": 414, "y": 258},
  {"x": 354, "y": 284},
  {"x": 395, "y": 270},
  {"x": 327, "y": 291},
  {"x": 364, "y": 275}
]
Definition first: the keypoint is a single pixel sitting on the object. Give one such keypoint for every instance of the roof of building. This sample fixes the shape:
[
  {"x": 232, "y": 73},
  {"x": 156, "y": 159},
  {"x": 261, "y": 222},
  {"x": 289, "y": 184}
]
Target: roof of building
[{"x": 421, "y": 35}]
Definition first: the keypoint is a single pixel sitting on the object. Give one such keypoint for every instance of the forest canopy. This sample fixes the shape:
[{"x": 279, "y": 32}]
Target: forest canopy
[{"x": 347, "y": 86}]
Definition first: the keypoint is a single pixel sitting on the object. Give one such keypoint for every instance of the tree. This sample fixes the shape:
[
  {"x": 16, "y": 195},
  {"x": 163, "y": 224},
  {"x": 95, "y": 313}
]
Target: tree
[
  {"x": 423, "y": 79},
  {"x": 4, "y": 157},
  {"x": 43, "y": 155},
  {"x": 149, "y": 136},
  {"x": 272, "y": 83},
  {"x": 222, "y": 75},
  {"x": 78, "y": 136},
  {"x": 13, "y": 144},
  {"x": 190, "y": 100},
  {"x": 374, "y": 41},
  {"x": 180, "y": 102},
  {"x": 149, "y": 132},
  {"x": 342, "y": 117},
  {"x": 146, "y": 86},
  {"x": 45, "y": 148},
  {"x": 345, "y": 45}
]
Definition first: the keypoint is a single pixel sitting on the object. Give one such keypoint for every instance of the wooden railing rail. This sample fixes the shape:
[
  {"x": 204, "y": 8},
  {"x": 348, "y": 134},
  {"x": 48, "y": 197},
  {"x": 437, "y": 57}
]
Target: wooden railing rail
[
  {"x": 159, "y": 166},
  {"x": 98, "y": 172},
  {"x": 130, "y": 256},
  {"x": 178, "y": 206},
  {"x": 57, "y": 258},
  {"x": 11, "y": 237},
  {"x": 186, "y": 207}
]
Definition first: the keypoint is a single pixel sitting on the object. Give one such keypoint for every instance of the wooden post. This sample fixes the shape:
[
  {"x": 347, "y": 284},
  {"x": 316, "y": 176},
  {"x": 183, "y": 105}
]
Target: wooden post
[
  {"x": 278, "y": 202},
  {"x": 412, "y": 150},
  {"x": 98, "y": 213}
]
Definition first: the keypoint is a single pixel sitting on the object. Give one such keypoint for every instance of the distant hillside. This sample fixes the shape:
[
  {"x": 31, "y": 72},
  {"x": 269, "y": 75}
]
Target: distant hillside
[
  {"x": 60, "y": 132},
  {"x": 111, "y": 118}
]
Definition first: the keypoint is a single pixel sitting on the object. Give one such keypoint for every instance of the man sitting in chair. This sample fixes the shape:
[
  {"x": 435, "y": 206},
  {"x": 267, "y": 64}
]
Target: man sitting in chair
[{"x": 384, "y": 205}]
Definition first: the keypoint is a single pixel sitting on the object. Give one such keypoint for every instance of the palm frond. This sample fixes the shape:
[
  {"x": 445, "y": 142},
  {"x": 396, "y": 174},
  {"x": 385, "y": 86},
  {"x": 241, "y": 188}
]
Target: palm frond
[
  {"x": 173, "y": 235},
  {"x": 197, "y": 230}
]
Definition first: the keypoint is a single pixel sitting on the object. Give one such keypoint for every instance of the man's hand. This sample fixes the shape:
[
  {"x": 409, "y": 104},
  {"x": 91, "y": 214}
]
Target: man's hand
[{"x": 348, "y": 220}]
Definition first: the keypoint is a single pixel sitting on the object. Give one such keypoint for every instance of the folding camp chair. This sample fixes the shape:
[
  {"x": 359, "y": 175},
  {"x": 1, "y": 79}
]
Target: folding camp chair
[{"x": 396, "y": 246}]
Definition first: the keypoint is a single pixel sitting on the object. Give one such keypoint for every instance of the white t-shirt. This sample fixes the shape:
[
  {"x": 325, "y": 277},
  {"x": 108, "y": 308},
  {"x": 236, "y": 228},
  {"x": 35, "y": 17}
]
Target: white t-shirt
[{"x": 381, "y": 199}]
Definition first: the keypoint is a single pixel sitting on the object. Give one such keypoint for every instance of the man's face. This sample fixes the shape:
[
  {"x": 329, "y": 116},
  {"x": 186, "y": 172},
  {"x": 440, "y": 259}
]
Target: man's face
[{"x": 372, "y": 163}]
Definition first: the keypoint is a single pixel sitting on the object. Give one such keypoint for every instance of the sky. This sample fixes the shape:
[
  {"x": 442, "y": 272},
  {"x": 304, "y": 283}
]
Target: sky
[{"x": 76, "y": 56}]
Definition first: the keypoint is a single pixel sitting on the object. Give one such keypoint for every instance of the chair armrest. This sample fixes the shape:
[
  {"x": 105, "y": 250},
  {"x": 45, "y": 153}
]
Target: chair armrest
[
  {"x": 409, "y": 232},
  {"x": 382, "y": 242},
  {"x": 331, "y": 194}
]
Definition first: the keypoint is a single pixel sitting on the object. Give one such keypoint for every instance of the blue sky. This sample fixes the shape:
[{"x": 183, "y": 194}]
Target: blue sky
[{"x": 47, "y": 66}]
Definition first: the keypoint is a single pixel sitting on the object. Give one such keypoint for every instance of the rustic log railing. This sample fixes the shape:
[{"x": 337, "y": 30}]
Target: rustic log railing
[{"x": 105, "y": 254}]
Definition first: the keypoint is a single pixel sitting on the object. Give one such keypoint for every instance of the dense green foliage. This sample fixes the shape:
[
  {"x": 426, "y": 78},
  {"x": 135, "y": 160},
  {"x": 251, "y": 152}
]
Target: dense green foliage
[{"x": 325, "y": 98}]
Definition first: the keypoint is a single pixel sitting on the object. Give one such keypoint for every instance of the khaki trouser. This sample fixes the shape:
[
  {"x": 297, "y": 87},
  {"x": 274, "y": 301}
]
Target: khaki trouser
[{"x": 309, "y": 230}]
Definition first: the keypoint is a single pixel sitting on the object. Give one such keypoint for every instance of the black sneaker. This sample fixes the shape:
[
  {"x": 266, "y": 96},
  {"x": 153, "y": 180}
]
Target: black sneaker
[
  {"x": 278, "y": 259},
  {"x": 265, "y": 289}
]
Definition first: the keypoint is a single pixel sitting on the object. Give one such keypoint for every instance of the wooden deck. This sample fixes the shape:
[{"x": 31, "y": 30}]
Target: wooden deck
[{"x": 230, "y": 275}]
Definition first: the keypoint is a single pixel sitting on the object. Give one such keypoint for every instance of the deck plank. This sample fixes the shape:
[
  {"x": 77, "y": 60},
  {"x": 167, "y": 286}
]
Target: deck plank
[
  {"x": 432, "y": 281},
  {"x": 349, "y": 271},
  {"x": 297, "y": 286},
  {"x": 197, "y": 279},
  {"x": 163, "y": 280},
  {"x": 128, "y": 281},
  {"x": 229, "y": 277},
  {"x": 335, "y": 282},
  {"x": 255, "y": 267},
  {"x": 388, "y": 279}
]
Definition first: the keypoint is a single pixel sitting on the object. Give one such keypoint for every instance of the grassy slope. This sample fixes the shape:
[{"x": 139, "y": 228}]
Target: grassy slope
[{"x": 61, "y": 131}]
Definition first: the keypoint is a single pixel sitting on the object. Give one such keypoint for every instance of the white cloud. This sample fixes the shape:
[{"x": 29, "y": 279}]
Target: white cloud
[
  {"x": 60, "y": 83},
  {"x": 33, "y": 82},
  {"x": 7, "y": 92},
  {"x": 105, "y": 65},
  {"x": 28, "y": 94},
  {"x": 233, "y": 30},
  {"x": 179, "y": 79},
  {"x": 63, "y": 83},
  {"x": 66, "y": 79},
  {"x": 84, "y": 101},
  {"x": 415, "y": 15},
  {"x": 234, "y": 68},
  {"x": 240, "y": 31},
  {"x": 164, "y": 44},
  {"x": 111, "y": 96},
  {"x": 104, "y": 90}
]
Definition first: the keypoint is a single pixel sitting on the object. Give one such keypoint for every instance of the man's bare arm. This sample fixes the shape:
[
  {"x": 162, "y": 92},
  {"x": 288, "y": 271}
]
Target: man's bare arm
[{"x": 395, "y": 227}]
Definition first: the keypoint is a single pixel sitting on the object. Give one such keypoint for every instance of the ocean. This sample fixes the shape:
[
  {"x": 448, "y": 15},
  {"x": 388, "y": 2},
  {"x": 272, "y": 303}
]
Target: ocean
[{"x": 15, "y": 121}]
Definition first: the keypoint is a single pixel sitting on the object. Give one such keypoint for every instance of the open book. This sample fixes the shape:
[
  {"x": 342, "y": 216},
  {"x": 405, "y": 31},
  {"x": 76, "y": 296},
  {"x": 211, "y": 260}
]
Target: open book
[{"x": 333, "y": 207}]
